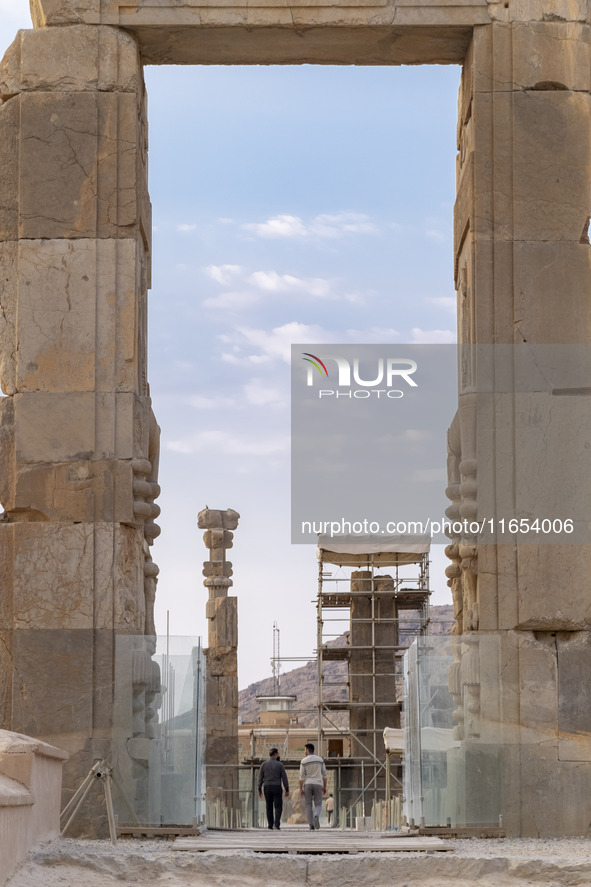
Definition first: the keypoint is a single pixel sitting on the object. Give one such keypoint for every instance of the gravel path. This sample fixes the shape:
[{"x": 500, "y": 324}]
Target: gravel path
[{"x": 486, "y": 863}]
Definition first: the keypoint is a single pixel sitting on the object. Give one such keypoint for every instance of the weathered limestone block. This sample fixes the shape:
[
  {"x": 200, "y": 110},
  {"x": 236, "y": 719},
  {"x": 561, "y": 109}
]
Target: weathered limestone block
[
  {"x": 74, "y": 491},
  {"x": 539, "y": 10},
  {"x": 77, "y": 319},
  {"x": 223, "y": 624},
  {"x": 58, "y": 425},
  {"x": 80, "y": 153},
  {"x": 525, "y": 55},
  {"x": 123, "y": 426},
  {"x": 551, "y": 173},
  {"x": 221, "y": 661},
  {"x": 214, "y": 519},
  {"x": 562, "y": 606},
  {"x": 66, "y": 654},
  {"x": 49, "y": 557},
  {"x": 103, "y": 59},
  {"x": 119, "y": 600},
  {"x": 62, "y": 12},
  {"x": 222, "y": 692},
  {"x": 546, "y": 54},
  {"x": 6, "y": 575},
  {"x": 545, "y": 274},
  {"x": 217, "y": 568},
  {"x": 554, "y": 799},
  {"x": 6, "y": 664},
  {"x": 493, "y": 282},
  {"x": 221, "y": 748},
  {"x": 9, "y": 141},
  {"x": 574, "y": 692},
  {"x": 546, "y": 485},
  {"x": 7, "y": 476},
  {"x": 56, "y": 331},
  {"x": 538, "y": 683},
  {"x": 78, "y": 426},
  {"x": 98, "y": 569},
  {"x": 76, "y": 164}
]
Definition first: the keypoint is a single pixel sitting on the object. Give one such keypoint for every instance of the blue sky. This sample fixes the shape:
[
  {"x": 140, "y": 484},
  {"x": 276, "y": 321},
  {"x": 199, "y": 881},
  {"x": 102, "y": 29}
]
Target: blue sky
[{"x": 291, "y": 204}]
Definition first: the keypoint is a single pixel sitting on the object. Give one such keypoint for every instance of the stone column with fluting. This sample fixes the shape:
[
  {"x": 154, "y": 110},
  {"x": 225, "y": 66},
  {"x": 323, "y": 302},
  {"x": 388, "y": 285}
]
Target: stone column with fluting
[
  {"x": 78, "y": 441},
  {"x": 221, "y": 695},
  {"x": 523, "y": 275}
]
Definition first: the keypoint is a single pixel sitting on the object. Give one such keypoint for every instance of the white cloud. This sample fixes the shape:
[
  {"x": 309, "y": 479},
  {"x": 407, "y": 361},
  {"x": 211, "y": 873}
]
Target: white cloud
[
  {"x": 342, "y": 223},
  {"x": 230, "y": 444},
  {"x": 325, "y": 225},
  {"x": 272, "y": 282},
  {"x": 184, "y": 228},
  {"x": 242, "y": 360},
  {"x": 233, "y": 300},
  {"x": 435, "y": 234},
  {"x": 260, "y": 283},
  {"x": 278, "y": 226},
  {"x": 259, "y": 394},
  {"x": 432, "y": 337},
  {"x": 277, "y": 343},
  {"x": 223, "y": 274},
  {"x": 447, "y": 303}
]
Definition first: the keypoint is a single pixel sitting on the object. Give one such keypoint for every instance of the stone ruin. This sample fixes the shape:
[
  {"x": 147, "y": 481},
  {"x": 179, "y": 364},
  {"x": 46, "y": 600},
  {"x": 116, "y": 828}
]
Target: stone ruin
[
  {"x": 221, "y": 675},
  {"x": 79, "y": 443}
]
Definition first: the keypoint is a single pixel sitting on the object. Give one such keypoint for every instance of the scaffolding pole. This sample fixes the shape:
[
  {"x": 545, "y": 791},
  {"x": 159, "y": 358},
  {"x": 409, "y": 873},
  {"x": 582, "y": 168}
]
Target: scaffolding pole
[{"x": 397, "y": 614}]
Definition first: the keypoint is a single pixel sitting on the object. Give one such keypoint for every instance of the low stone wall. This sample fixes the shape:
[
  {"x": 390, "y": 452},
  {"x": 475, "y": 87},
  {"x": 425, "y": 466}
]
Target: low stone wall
[{"x": 30, "y": 790}]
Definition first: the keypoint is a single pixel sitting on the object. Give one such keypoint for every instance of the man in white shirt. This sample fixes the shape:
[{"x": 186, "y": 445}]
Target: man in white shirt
[{"x": 313, "y": 785}]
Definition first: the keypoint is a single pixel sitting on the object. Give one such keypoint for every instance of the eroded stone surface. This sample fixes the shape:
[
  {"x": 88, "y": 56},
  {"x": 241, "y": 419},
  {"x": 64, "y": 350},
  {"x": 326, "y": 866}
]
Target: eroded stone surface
[
  {"x": 102, "y": 59},
  {"x": 77, "y": 326}
]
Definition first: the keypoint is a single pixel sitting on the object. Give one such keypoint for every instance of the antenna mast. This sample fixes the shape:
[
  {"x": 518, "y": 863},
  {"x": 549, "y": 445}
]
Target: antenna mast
[{"x": 275, "y": 661}]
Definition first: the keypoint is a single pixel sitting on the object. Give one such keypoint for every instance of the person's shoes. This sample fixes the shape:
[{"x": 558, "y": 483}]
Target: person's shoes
[
  {"x": 278, "y": 827},
  {"x": 316, "y": 822},
  {"x": 312, "y": 828},
  {"x": 270, "y": 827}
]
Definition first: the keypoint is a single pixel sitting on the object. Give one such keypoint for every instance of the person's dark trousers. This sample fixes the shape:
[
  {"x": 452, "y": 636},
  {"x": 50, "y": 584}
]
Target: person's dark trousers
[{"x": 274, "y": 799}]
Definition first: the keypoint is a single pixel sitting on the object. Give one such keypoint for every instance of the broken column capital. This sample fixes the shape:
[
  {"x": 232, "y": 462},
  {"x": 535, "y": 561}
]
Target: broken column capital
[{"x": 217, "y": 538}]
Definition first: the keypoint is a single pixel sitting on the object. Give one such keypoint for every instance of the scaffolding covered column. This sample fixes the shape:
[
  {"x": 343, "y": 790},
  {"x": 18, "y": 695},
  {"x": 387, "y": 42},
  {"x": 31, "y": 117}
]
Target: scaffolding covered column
[{"x": 378, "y": 598}]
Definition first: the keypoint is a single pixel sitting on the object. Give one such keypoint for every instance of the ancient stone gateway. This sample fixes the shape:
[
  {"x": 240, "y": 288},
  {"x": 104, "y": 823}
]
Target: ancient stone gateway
[{"x": 78, "y": 442}]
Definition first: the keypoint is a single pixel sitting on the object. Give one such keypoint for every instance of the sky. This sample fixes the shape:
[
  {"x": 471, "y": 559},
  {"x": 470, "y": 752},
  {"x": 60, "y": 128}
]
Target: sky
[{"x": 297, "y": 204}]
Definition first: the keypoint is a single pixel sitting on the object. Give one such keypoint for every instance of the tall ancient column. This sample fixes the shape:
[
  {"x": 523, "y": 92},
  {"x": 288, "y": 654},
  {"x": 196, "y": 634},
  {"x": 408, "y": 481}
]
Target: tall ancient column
[
  {"x": 221, "y": 678},
  {"x": 78, "y": 440},
  {"x": 523, "y": 272}
]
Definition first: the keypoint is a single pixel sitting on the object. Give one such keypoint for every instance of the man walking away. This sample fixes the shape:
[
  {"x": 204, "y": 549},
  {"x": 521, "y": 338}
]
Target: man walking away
[
  {"x": 272, "y": 774},
  {"x": 329, "y": 808},
  {"x": 313, "y": 784}
]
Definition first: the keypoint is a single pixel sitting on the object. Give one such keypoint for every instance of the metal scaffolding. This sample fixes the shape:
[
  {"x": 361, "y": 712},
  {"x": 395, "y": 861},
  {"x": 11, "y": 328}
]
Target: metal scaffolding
[{"x": 378, "y": 598}]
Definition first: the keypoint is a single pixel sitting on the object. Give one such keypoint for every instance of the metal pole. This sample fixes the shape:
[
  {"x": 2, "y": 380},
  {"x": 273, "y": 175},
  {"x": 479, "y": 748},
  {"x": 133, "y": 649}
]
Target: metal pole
[
  {"x": 319, "y": 654},
  {"x": 388, "y": 819},
  {"x": 110, "y": 811},
  {"x": 363, "y": 787}
]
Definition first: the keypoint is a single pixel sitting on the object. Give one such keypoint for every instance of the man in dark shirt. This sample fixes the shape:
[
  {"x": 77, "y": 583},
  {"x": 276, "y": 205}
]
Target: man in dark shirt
[{"x": 273, "y": 775}]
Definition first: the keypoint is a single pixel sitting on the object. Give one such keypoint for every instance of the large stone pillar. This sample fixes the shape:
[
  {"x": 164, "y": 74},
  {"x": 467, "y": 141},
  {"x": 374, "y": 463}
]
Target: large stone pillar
[
  {"x": 78, "y": 441},
  {"x": 523, "y": 273},
  {"x": 221, "y": 659}
]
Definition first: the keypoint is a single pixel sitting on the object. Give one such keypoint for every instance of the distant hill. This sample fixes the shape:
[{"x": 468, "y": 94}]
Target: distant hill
[{"x": 302, "y": 681}]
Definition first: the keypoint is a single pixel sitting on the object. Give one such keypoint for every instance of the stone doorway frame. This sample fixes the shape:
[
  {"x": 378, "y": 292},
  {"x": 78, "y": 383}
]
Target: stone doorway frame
[{"x": 78, "y": 440}]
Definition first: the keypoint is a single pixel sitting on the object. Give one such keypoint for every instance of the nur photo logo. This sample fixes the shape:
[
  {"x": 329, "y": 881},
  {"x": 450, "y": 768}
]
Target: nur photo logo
[{"x": 388, "y": 371}]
